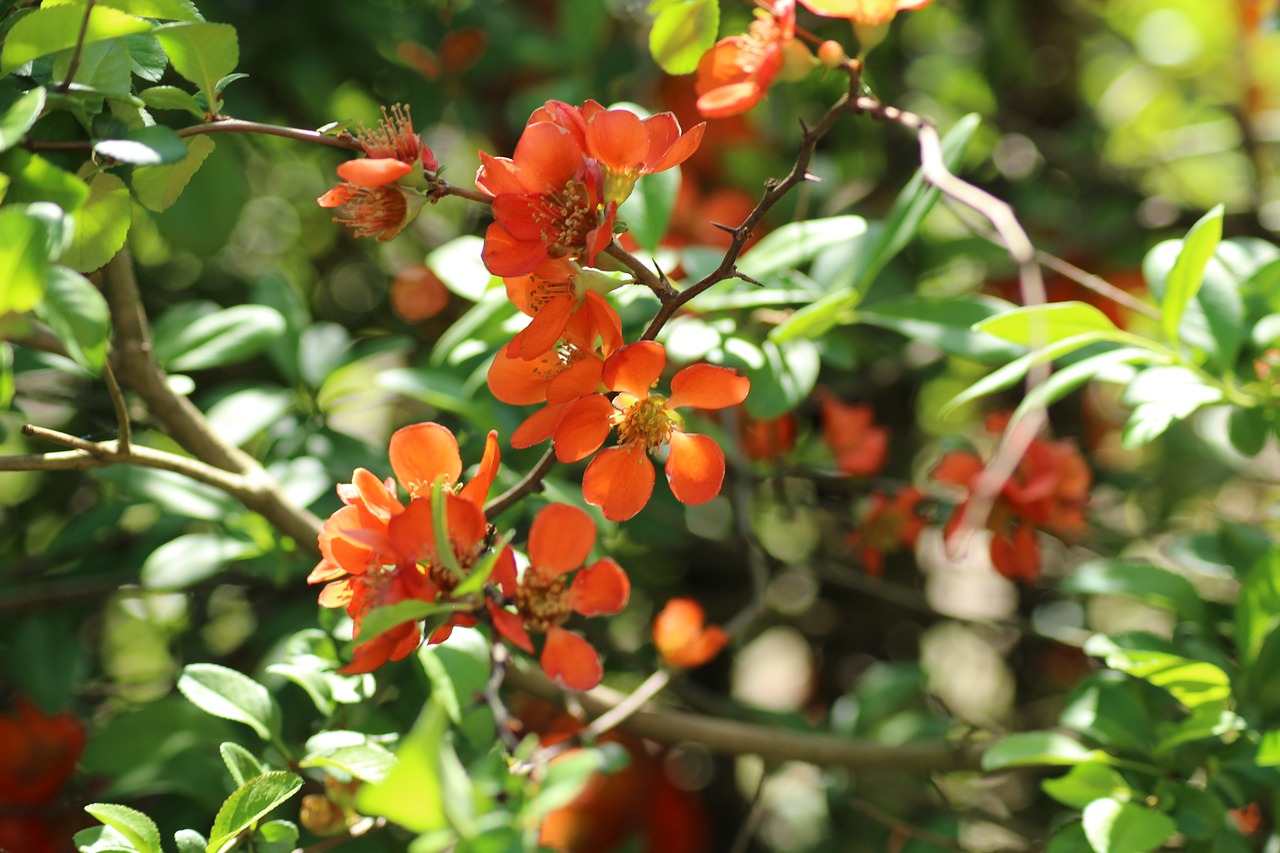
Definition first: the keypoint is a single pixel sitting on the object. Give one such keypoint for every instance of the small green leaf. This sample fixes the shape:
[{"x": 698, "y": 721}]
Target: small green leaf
[
  {"x": 351, "y": 752},
  {"x": 945, "y": 323},
  {"x": 1037, "y": 749},
  {"x": 141, "y": 830},
  {"x": 458, "y": 670},
  {"x": 49, "y": 30},
  {"x": 682, "y": 32},
  {"x": 165, "y": 10},
  {"x": 1085, "y": 783},
  {"x": 190, "y": 841},
  {"x": 145, "y": 146},
  {"x": 193, "y": 557},
  {"x": 231, "y": 695},
  {"x": 102, "y": 224},
  {"x": 411, "y": 793},
  {"x": 1142, "y": 581},
  {"x": 104, "y": 839},
  {"x": 158, "y": 187},
  {"x": 223, "y": 337},
  {"x": 1185, "y": 278},
  {"x": 78, "y": 314},
  {"x": 795, "y": 243},
  {"x": 1011, "y": 373},
  {"x": 33, "y": 178},
  {"x": 241, "y": 763},
  {"x": 275, "y": 836},
  {"x": 171, "y": 98},
  {"x": 647, "y": 211},
  {"x": 202, "y": 53},
  {"x": 1041, "y": 325},
  {"x": 23, "y": 266},
  {"x": 1247, "y": 430},
  {"x": 20, "y": 117},
  {"x": 249, "y": 803},
  {"x": 382, "y": 619},
  {"x": 1194, "y": 683},
  {"x": 1113, "y": 826}
]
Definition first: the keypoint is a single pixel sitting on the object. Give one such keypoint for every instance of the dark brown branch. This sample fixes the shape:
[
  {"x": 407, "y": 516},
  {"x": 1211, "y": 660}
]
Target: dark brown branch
[
  {"x": 641, "y": 273},
  {"x": 530, "y": 483},
  {"x": 74, "y": 65}
]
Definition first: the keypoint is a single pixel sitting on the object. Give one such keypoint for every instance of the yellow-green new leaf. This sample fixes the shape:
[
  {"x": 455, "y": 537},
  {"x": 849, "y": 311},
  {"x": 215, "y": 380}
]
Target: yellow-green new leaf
[
  {"x": 1041, "y": 325},
  {"x": 49, "y": 30},
  {"x": 102, "y": 224}
]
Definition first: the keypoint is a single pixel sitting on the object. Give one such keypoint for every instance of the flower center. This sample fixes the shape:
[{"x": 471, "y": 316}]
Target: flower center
[
  {"x": 547, "y": 289},
  {"x": 566, "y": 218},
  {"x": 647, "y": 422},
  {"x": 542, "y": 601}
]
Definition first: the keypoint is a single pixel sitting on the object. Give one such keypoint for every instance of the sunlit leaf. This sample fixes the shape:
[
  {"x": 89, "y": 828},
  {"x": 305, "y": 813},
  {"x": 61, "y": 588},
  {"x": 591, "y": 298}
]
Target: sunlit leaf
[
  {"x": 683, "y": 30},
  {"x": 231, "y": 695},
  {"x": 131, "y": 823},
  {"x": 249, "y": 803},
  {"x": 102, "y": 224},
  {"x": 49, "y": 30}
]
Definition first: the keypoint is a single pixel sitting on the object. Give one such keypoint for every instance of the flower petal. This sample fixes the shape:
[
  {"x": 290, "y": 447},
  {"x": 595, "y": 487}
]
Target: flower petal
[
  {"x": 539, "y": 426},
  {"x": 504, "y": 255},
  {"x": 477, "y": 489},
  {"x": 601, "y": 588},
  {"x": 571, "y": 660},
  {"x": 544, "y": 330},
  {"x": 421, "y": 453},
  {"x": 584, "y": 427},
  {"x": 519, "y": 382},
  {"x": 561, "y": 538},
  {"x": 619, "y": 480},
  {"x": 374, "y": 171},
  {"x": 546, "y": 157},
  {"x": 706, "y": 386},
  {"x": 695, "y": 468},
  {"x": 617, "y": 138},
  {"x": 579, "y": 379},
  {"x": 635, "y": 368},
  {"x": 511, "y": 627}
]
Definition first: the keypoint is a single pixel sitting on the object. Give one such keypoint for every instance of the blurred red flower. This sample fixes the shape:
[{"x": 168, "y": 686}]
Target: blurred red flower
[{"x": 682, "y": 637}]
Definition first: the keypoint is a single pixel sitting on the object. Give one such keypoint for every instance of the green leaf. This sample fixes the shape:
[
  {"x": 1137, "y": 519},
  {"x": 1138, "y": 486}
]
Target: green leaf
[
  {"x": 1085, "y": 783},
  {"x": 158, "y": 187},
  {"x": 105, "y": 68},
  {"x": 241, "y": 763},
  {"x": 23, "y": 266},
  {"x": 782, "y": 375},
  {"x": 147, "y": 59},
  {"x": 20, "y": 116},
  {"x": 791, "y": 245},
  {"x": 945, "y": 323},
  {"x": 682, "y": 32},
  {"x": 223, "y": 337},
  {"x": 1113, "y": 826},
  {"x": 165, "y": 10},
  {"x": 193, "y": 557},
  {"x": 104, "y": 839},
  {"x": 1194, "y": 683},
  {"x": 78, "y": 315},
  {"x": 275, "y": 836},
  {"x": 1258, "y": 607},
  {"x": 350, "y": 752},
  {"x": 190, "y": 841},
  {"x": 230, "y": 695},
  {"x": 201, "y": 53},
  {"x": 49, "y": 30},
  {"x": 459, "y": 266},
  {"x": 411, "y": 793},
  {"x": 1011, "y": 373},
  {"x": 140, "y": 830},
  {"x": 145, "y": 146},
  {"x": 1037, "y": 749},
  {"x": 1160, "y": 396},
  {"x": 1040, "y": 325},
  {"x": 249, "y": 803},
  {"x": 33, "y": 178},
  {"x": 1247, "y": 430},
  {"x": 172, "y": 98},
  {"x": 102, "y": 224},
  {"x": 1142, "y": 581},
  {"x": 647, "y": 211},
  {"x": 1185, "y": 278},
  {"x": 569, "y": 774},
  {"x": 382, "y": 619},
  {"x": 458, "y": 670}
]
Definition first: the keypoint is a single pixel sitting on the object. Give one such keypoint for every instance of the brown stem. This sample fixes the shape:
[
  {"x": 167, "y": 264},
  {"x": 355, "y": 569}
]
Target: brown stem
[
  {"x": 74, "y": 65},
  {"x": 642, "y": 273},
  {"x": 221, "y": 125},
  {"x": 531, "y": 482}
]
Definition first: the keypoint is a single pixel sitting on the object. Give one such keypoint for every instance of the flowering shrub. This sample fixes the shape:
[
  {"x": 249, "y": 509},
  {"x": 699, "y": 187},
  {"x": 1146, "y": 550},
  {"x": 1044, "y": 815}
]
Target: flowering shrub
[{"x": 817, "y": 287}]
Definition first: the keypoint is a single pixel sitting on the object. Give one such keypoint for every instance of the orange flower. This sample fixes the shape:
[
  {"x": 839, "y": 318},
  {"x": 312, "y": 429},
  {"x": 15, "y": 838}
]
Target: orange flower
[
  {"x": 868, "y": 12},
  {"x": 683, "y": 638},
  {"x": 767, "y": 439},
  {"x": 859, "y": 447},
  {"x": 1048, "y": 491},
  {"x": 547, "y": 202},
  {"x": 735, "y": 74},
  {"x": 889, "y": 524},
  {"x": 373, "y": 547},
  {"x": 369, "y": 199},
  {"x": 625, "y": 145},
  {"x": 619, "y": 480},
  {"x": 38, "y": 754},
  {"x": 560, "y": 541},
  {"x": 552, "y": 294}
]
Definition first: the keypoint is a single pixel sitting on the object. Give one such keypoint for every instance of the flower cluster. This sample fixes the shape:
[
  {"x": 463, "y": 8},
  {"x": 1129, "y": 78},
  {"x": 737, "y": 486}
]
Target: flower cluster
[
  {"x": 1048, "y": 491},
  {"x": 860, "y": 447},
  {"x": 437, "y": 548},
  {"x": 554, "y": 205},
  {"x": 371, "y": 199},
  {"x": 38, "y": 754}
]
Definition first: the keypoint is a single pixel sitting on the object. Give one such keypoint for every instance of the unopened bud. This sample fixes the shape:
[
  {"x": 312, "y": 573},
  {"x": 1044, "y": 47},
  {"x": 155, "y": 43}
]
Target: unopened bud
[
  {"x": 321, "y": 815},
  {"x": 831, "y": 54}
]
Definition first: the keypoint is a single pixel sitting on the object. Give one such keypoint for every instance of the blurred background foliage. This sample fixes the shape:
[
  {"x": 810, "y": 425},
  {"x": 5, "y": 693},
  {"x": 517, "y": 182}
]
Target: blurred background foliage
[{"x": 1110, "y": 126}]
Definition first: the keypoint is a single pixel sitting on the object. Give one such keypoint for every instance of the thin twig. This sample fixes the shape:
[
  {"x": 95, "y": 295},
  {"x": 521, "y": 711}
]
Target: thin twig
[
  {"x": 642, "y": 274},
  {"x": 124, "y": 429},
  {"x": 531, "y": 482},
  {"x": 755, "y": 815},
  {"x": 74, "y": 65},
  {"x": 897, "y": 824},
  {"x": 491, "y": 695}
]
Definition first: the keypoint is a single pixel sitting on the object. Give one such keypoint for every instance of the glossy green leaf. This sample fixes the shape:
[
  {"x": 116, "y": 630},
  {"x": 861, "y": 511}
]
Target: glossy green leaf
[
  {"x": 458, "y": 671},
  {"x": 145, "y": 146},
  {"x": 23, "y": 266},
  {"x": 201, "y": 53},
  {"x": 647, "y": 211},
  {"x": 782, "y": 375},
  {"x": 230, "y": 695},
  {"x": 683, "y": 30},
  {"x": 351, "y": 752},
  {"x": 172, "y": 98},
  {"x": 102, "y": 224},
  {"x": 191, "y": 558},
  {"x": 1063, "y": 382},
  {"x": 1037, "y": 749},
  {"x": 1184, "y": 280},
  {"x": 165, "y": 10},
  {"x": 158, "y": 187},
  {"x": 459, "y": 266},
  {"x": 795, "y": 243},
  {"x": 1160, "y": 396},
  {"x": 190, "y": 841},
  {"x": 78, "y": 314},
  {"x": 20, "y": 116},
  {"x": 381, "y": 619},
  {"x": 1142, "y": 581},
  {"x": 945, "y": 323},
  {"x": 1192, "y": 682},
  {"x": 1247, "y": 430},
  {"x": 1105, "y": 709},
  {"x": 33, "y": 178},
  {"x": 275, "y": 836},
  {"x": 1085, "y": 783},
  {"x": 223, "y": 337},
  {"x": 105, "y": 68},
  {"x": 1113, "y": 826},
  {"x": 411, "y": 794},
  {"x": 241, "y": 763},
  {"x": 104, "y": 839},
  {"x": 1041, "y": 325},
  {"x": 49, "y": 30},
  {"x": 250, "y": 803},
  {"x": 141, "y": 830}
]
